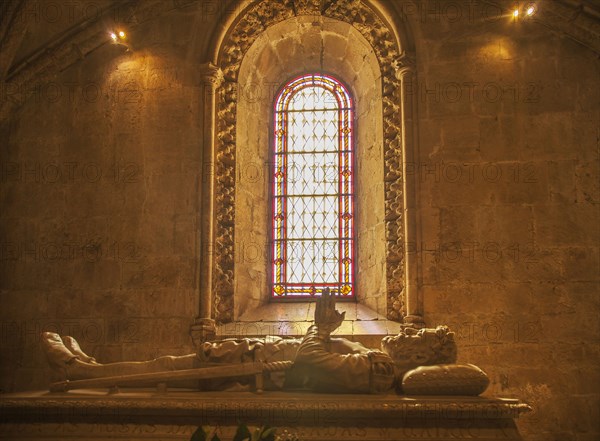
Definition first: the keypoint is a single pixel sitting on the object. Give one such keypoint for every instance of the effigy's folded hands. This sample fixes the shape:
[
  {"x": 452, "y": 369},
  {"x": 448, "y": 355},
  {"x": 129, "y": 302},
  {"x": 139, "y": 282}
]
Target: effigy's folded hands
[{"x": 327, "y": 318}]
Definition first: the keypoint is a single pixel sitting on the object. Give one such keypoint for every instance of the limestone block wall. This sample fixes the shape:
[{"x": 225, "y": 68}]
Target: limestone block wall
[
  {"x": 101, "y": 172},
  {"x": 508, "y": 171}
]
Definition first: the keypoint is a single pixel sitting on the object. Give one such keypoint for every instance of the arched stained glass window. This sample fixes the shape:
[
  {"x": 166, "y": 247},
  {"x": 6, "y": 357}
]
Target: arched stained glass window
[{"x": 313, "y": 189}]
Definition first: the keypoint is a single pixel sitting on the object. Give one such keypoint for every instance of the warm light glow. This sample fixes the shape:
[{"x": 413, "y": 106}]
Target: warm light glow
[
  {"x": 113, "y": 36},
  {"x": 516, "y": 13},
  {"x": 121, "y": 34},
  {"x": 531, "y": 10}
]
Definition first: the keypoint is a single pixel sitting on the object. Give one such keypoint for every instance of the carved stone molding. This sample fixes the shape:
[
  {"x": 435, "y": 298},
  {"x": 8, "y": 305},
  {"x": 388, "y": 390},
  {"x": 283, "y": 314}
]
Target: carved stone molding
[
  {"x": 183, "y": 408},
  {"x": 251, "y": 25}
]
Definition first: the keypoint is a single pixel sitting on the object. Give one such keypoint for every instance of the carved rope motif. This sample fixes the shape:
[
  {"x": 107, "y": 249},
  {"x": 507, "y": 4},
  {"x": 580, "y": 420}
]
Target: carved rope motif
[{"x": 255, "y": 21}]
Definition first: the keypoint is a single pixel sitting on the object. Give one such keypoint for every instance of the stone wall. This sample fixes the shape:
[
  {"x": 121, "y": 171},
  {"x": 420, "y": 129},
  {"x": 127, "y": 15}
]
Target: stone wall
[
  {"x": 101, "y": 170},
  {"x": 508, "y": 170}
]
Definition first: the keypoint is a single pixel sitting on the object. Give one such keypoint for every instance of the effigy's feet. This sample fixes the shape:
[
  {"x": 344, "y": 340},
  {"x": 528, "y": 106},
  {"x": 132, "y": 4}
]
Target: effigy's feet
[
  {"x": 62, "y": 360},
  {"x": 72, "y": 345},
  {"x": 58, "y": 355}
]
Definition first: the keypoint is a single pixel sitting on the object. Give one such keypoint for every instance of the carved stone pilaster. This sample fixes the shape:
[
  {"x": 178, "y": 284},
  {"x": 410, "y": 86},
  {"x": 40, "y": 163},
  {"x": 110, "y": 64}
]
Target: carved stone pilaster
[
  {"x": 405, "y": 72},
  {"x": 204, "y": 327}
]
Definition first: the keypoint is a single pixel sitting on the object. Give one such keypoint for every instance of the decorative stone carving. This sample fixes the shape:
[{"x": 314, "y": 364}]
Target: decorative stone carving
[
  {"x": 307, "y": 7},
  {"x": 258, "y": 18},
  {"x": 344, "y": 10},
  {"x": 424, "y": 346}
]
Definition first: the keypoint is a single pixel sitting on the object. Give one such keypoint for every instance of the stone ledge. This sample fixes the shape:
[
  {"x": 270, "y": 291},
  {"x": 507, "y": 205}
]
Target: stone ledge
[
  {"x": 293, "y": 319},
  {"x": 270, "y": 407}
]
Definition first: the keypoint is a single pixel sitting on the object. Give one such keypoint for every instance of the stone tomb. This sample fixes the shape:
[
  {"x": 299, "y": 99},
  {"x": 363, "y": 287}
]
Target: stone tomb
[{"x": 142, "y": 414}]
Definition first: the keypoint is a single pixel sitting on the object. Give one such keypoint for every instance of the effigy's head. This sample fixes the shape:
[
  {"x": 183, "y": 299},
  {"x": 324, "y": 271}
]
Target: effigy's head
[{"x": 420, "y": 347}]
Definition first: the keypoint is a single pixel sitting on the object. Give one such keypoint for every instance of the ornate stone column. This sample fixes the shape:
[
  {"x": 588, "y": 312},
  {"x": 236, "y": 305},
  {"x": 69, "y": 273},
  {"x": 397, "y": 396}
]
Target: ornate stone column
[
  {"x": 204, "y": 326},
  {"x": 406, "y": 73}
]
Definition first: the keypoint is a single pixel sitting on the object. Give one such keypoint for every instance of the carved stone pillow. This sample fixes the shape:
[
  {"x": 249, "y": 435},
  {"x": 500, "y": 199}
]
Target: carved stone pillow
[{"x": 445, "y": 379}]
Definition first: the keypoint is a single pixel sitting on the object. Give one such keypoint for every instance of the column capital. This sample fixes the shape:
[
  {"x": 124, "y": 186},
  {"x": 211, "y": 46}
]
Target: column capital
[
  {"x": 202, "y": 330},
  {"x": 209, "y": 73},
  {"x": 413, "y": 321},
  {"x": 405, "y": 64}
]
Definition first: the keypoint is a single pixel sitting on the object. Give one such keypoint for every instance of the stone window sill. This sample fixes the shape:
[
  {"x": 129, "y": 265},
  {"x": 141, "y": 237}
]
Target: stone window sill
[{"x": 293, "y": 319}]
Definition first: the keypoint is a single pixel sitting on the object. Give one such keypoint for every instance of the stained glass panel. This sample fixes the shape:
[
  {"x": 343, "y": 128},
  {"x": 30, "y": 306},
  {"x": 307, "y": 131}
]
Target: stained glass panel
[{"x": 313, "y": 195}]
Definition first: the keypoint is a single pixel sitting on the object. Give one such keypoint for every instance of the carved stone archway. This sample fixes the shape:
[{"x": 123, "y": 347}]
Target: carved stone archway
[{"x": 399, "y": 106}]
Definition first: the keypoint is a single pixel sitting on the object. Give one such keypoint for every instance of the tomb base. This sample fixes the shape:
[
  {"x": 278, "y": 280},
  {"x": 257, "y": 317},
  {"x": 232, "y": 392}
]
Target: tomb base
[{"x": 147, "y": 414}]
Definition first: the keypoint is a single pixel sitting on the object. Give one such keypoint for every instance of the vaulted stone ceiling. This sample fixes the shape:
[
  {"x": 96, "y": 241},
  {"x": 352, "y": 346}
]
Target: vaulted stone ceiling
[{"x": 39, "y": 38}]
